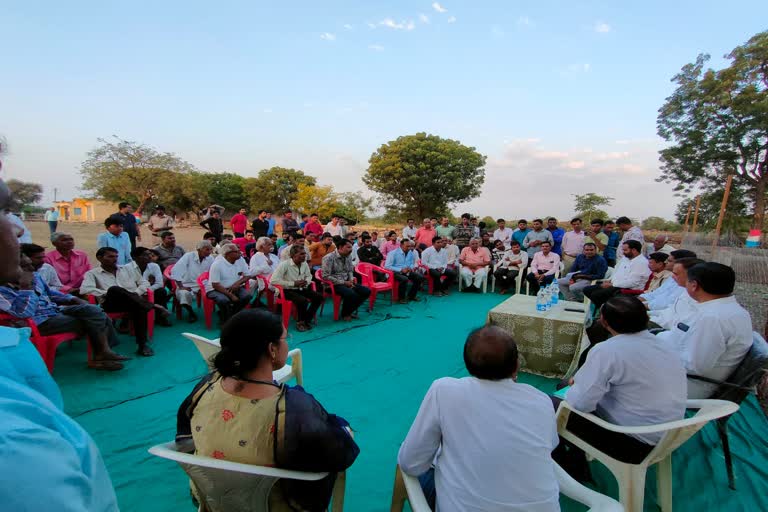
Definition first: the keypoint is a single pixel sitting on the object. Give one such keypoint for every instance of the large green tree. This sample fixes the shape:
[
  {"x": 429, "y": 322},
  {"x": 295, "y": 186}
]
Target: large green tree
[
  {"x": 354, "y": 207},
  {"x": 589, "y": 206},
  {"x": 316, "y": 199},
  {"x": 227, "y": 189},
  {"x": 717, "y": 124},
  {"x": 276, "y": 188},
  {"x": 736, "y": 219},
  {"x": 24, "y": 193},
  {"x": 423, "y": 174},
  {"x": 122, "y": 170}
]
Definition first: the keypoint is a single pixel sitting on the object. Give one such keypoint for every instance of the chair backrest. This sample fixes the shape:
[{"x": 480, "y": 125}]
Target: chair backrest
[
  {"x": 365, "y": 270},
  {"x": 207, "y": 347},
  {"x": 201, "y": 279},
  {"x": 229, "y": 486},
  {"x": 748, "y": 373},
  {"x": 609, "y": 273}
]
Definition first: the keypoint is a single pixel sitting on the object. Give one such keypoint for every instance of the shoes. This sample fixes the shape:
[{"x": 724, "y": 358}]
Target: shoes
[
  {"x": 145, "y": 350},
  {"x": 302, "y": 326},
  {"x": 192, "y": 318},
  {"x": 403, "y": 301},
  {"x": 415, "y": 299}
]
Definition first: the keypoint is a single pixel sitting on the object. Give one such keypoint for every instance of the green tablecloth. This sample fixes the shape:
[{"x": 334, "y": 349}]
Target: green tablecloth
[{"x": 548, "y": 342}]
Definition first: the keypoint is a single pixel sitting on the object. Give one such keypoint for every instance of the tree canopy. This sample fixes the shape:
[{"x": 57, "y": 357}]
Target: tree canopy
[
  {"x": 354, "y": 207},
  {"x": 423, "y": 174},
  {"x": 717, "y": 124},
  {"x": 276, "y": 189},
  {"x": 589, "y": 206},
  {"x": 736, "y": 217},
  {"x": 24, "y": 193},
  {"x": 316, "y": 199}
]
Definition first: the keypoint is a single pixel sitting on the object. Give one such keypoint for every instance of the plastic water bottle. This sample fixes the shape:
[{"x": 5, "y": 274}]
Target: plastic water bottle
[
  {"x": 547, "y": 299},
  {"x": 555, "y": 291},
  {"x": 540, "y": 304}
]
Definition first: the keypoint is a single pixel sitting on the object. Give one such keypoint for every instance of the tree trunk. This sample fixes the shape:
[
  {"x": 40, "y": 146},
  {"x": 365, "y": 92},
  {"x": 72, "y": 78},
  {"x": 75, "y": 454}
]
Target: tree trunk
[{"x": 759, "y": 215}]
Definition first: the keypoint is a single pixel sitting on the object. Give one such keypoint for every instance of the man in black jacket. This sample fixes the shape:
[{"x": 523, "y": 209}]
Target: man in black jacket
[
  {"x": 214, "y": 225},
  {"x": 260, "y": 225}
]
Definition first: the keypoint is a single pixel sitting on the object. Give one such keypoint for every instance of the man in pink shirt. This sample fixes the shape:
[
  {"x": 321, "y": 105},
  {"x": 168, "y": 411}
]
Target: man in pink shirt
[
  {"x": 424, "y": 235},
  {"x": 390, "y": 245},
  {"x": 544, "y": 265},
  {"x": 243, "y": 241},
  {"x": 238, "y": 223},
  {"x": 573, "y": 244},
  {"x": 474, "y": 262},
  {"x": 70, "y": 264},
  {"x": 313, "y": 226}
]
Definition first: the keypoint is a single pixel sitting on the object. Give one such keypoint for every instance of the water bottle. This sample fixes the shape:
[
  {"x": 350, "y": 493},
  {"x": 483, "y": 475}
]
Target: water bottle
[
  {"x": 555, "y": 291},
  {"x": 540, "y": 301},
  {"x": 547, "y": 299}
]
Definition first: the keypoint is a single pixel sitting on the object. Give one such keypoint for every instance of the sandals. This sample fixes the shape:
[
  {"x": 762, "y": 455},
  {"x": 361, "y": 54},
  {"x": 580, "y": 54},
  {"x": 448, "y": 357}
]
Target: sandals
[{"x": 105, "y": 364}]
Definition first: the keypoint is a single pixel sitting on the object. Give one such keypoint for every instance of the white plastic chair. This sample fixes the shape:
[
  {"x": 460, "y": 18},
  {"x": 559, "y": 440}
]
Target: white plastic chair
[
  {"x": 485, "y": 281},
  {"x": 557, "y": 276},
  {"x": 408, "y": 488},
  {"x": 588, "y": 303},
  {"x": 631, "y": 477},
  {"x": 234, "y": 487},
  {"x": 518, "y": 280},
  {"x": 209, "y": 348}
]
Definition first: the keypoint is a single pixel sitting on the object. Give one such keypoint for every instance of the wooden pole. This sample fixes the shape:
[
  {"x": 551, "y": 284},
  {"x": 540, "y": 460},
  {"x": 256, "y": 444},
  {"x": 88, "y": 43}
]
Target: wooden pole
[
  {"x": 722, "y": 211},
  {"x": 687, "y": 217},
  {"x": 696, "y": 214}
]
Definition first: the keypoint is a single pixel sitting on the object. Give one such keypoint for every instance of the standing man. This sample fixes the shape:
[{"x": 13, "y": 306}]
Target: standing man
[
  {"x": 503, "y": 233},
  {"x": 572, "y": 245},
  {"x": 444, "y": 230},
  {"x": 521, "y": 232},
  {"x": 402, "y": 261},
  {"x": 631, "y": 273},
  {"x": 474, "y": 261},
  {"x": 170, "y": 253},
  {"x": 290, "y": 226},
  {"x": 52, "y": 218},
  {"x": 629, "y": 232},
  {"x": 239, "y": 223},
  {"x": 214, "y": 225},
  {"x": 409, "y": 231},
  {"x": 557, "y": 235},
  {"x": 160, "y": 222},
  {"x": 339, "y": 270},
  {"x": 587, "y": 267},
  {"x": 613, "y": 243},
  {"x": 186, "y": 271},
  {"x": 463, "y": 233},
  {"x": 435, "y": 258},
  {"x": 117, "y": 239},
  {"x": 424, "y": 235},
  {"x": 597, "y": 237},
  {"x": 334, "y": 227},
  {"x": 125, "y": 213},
  {"x": 534, "y": 239},
  {"x": 313, "y": 226},
  {"x": 260, "y": 225},
  {"x": 271, "y": 221},
  {"x": 295, "y": 277},
  {"x": 70, "y": 264},
  {"x": 544, "y": 266}
]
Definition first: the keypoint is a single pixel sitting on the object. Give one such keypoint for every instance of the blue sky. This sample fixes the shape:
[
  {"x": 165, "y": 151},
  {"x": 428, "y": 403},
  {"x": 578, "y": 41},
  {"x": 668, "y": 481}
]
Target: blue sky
[{"x": 561, "y": 96}]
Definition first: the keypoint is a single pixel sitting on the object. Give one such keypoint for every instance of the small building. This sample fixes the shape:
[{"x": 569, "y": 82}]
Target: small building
[{"x": 81, "y": 209}]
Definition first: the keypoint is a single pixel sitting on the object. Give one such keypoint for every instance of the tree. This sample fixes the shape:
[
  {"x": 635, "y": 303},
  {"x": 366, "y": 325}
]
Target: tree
[
  {"x": 275, "y": 189},
  {"x": 588, "y": 206},
  {"x": 735, "y": 220},
  {"x": 717, "y": 122},
  {"x": 354, "y": 207},
  {"x": 128, "y": 171},
  {"x": 23, "y": 193},
  {"x": 422, "y": 174},
  {"x": 490, "y": 223},
  {"x": 226, "y": 189},
  {"x": 314, "y": 199}
]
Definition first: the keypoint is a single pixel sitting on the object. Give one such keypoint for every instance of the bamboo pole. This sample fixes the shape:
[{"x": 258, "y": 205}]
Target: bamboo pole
[
  {"x": 722, "y": 211},
  {"x": 696, "y": 214},
  {"x": 687, "y": 217}
]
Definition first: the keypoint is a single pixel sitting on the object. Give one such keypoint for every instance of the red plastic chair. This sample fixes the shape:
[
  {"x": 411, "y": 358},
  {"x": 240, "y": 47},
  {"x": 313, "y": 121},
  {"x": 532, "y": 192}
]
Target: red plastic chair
[
  {"x": 269, "y": 293},
  {"x": 175, "y": 306},
  {"x": 208, "y": 304},
  {"x": 430, "y": 279},
  {"x": 627, "y": 291},
  {"x": 329, "y": 291},
  {"x": 45, "y": 345},
  {"x": 286, "y": 306},
  {"x": 369, "y": 281},
  {"x": 150, "y": 315}
]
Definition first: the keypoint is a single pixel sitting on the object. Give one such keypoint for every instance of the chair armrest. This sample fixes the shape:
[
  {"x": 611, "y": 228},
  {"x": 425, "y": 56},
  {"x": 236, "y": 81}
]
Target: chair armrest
[
  {"x": 585, "y": 495},
  {"x": 625, "y": 291},
  {"x": 416, "y": 498},
  {"x": 91, "y": 299},
  {"x": 151, "y": 296},
  {"x": 723, "y": 383},
  {"x": 7, "y": 317}
]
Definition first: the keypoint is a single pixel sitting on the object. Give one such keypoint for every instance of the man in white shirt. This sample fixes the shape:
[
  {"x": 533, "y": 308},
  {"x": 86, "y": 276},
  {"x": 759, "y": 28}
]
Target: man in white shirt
[
  {"x": 629, "y": 232},
  {"x": 631, "y": 273},
  {"x": 296, "y": 279},
  {"x": 226, "y": 282},
  {"x": 484, "y": 442},
  {"x": 684, "y": 308},
  {"x": 628, "y": 380},
  {"x": 119, "y": 290},
  {"x": 143, "y": 269},
  {"x": 509, "y": 267},
  {"x": 503, "y": 233},
  {"x": 663, "y": 296},
  {"x": 263, "y": 263},
  {"x": 572, "y": 244},
  {"x": 47, "y": 273},
  {"x": 720, "y": 334},
  {"x": 409, "y": 231},
  {"x": 186, "y": 271},
  {"x": 435, "y": 258},
  {"x": 334, "y": 227},
  {"x": 452, "y": 253},
  {"x": 659, "y": 244}
]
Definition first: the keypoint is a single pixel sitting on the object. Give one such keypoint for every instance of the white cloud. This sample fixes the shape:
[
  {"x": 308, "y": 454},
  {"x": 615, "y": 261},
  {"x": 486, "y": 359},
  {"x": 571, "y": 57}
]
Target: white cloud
[
  {"x": 267, "y": 110},
  {"x": 524, "y": 21},
  {"x": 327, "y": 36},
  {"x": 452, "y": 19},
  {"x": 439, "y": 8},
  {"x": 371, "y": 25},
  {"x": 497, "y": 32},
  {"x": 424, "y": 18},
  {"x": 602, "y": 27},
  {"x": 348, "y": 26},
  {"x": 579, "y": 68},
  {"x": 403, "y": 25},
  {"x": 376, "y": 47}
]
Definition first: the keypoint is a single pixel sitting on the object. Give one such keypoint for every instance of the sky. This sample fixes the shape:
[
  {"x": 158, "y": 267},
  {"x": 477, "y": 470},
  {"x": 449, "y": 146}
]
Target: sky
[{"x": 561, "y": 97}]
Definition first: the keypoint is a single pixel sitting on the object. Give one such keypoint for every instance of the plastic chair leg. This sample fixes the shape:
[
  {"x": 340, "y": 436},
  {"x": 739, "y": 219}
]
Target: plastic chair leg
[
  {"x": 664, "y": 484},
  {"x": 722, "y": 430},
  {"x": 372, "y": 299},
  {"x": 399, "y": 494},
  {"x": 287, "y": 308},
  {"x": 631, "y": 481},
  {"x": 151, "y": 324},
  {"x": 337, "y": 501},
  {"x": 336, "y": 308}
]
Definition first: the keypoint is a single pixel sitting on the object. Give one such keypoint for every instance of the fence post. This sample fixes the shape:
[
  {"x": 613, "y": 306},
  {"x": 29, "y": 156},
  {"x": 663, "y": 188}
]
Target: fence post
[{"x": 722, "y": 212}]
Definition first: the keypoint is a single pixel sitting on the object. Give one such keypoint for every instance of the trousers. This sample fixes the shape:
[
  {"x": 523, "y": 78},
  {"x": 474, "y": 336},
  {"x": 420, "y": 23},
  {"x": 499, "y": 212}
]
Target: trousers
[
  {"x": 475, "y": 278},
  {"x": 441, "y": 285},
  {"x": 534, "y": 284},
  {"x": 120, "y": 300},
  {"x": 506, "y": 277},
  {"x": 575, "y": 291},
  {"x": 416, "y": 280},
  {"x": 306, "y": 302},
  {"x": 87, "y": 319},
  {"x": 227, "y": 307},
  {"x": 599, "y": 295},
  {"x": 351, "y": 298},
  {"x": 185, "y": 297}
]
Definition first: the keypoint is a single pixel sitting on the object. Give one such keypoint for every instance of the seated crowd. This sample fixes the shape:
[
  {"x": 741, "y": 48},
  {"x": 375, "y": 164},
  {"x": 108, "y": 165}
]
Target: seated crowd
[{"x": 632, "y": 377}]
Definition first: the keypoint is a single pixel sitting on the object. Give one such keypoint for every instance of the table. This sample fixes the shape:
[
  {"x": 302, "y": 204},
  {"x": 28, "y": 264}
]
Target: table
[{"x": 548, "y": 342}]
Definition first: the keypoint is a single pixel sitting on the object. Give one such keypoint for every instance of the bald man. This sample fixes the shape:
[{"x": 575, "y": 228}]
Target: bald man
[{"x": 475, "y": 475}]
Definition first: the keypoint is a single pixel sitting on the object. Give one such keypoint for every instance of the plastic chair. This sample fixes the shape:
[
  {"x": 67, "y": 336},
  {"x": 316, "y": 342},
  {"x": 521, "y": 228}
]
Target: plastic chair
[
  {"x": 631, "y": 477},
  {"x": 175, "y": 306},
  {"x": 286, "y": 306},
  {"x": 45, "y": 345},
  {"x": 557, "y": 276},
  {"x": 234, "y": 487},
  {"x": 209, "y": 348},
  {"x": 208, "y": 304},
  {"x": 408, "y": 488},
  {"x": 329, "y": 291},
  {"x": 518, "y": 280},
  {"x": 119, "y": 315},
  {"x": 485, "y": 281},
  {"x": 736, "y": 388},
  {"x": 390, "y": 285}
]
